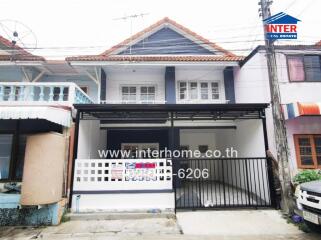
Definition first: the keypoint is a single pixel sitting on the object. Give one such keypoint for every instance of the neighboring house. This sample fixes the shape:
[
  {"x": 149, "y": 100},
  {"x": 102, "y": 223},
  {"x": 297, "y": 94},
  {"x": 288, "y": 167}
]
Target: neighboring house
[
  {"x": 299, "y": 75},
  {"x": 36, "y": 125},
  {"x": 168, "y": 88}
]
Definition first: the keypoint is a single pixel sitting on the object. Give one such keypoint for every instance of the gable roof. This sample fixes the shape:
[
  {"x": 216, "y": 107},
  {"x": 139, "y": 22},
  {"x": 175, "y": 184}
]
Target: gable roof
[
  {"x": 119, "y": 53},
  {"x": 15, "y": 52},
  {"x": 167, "y": 41},
  {"x": 281, "y": 18},
  {"x": 158, "y": 24}
]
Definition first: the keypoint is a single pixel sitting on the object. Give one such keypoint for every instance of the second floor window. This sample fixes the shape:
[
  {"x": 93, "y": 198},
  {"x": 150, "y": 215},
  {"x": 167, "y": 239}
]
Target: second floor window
[
  {"x": 304, "y": 68},
  {"x": 147, "y": 94},
  {"x": 198, "y": 91},
  {"x": 142, "y": 94}
]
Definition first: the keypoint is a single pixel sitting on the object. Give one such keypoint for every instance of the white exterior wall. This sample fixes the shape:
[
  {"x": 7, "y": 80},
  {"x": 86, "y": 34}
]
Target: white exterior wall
[
  {"x": 249, "y": 138},
  {"x": 296, "y": 91},
  {"x": 195, "y": 137},
  {"x": 200, "y": 74},
  {"x": 252, "y": 86},
  {"x": 135, "y": 76},
  {"x": 252, "y": 82},
  {"x": 90, "y": 139},
  {"x": 118, "y": 76},
  {"x": 131, "y": 202}
]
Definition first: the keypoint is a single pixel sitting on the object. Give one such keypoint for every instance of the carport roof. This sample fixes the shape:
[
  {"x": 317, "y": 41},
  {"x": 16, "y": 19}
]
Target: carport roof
[{"x": 162, "y": 112}]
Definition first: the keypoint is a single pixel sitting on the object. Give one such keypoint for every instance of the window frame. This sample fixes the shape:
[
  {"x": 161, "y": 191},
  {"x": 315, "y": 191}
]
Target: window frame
[
  {"x": 179, "y": 91},
  {"x": 14, "y": 155},
  {"x": 209, "y": 85},
  {"x": 121, "y": 94},
  {"x": 138, "y": 93},
  {"x": 11, "y": 162},
  {"x": 148, "y": 94},
  {"x": 199, "y": 91},
  {"x": 304, "y": 68},
  {"x": 313, "y": 148}
]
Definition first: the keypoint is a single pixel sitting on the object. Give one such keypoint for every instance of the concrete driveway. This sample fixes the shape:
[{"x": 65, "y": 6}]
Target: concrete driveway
[{"x": 235, "y": 223}]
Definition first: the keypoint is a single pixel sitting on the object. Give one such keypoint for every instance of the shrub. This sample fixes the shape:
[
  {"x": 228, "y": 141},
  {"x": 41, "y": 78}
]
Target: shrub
[{"x": 307, "y": 176}]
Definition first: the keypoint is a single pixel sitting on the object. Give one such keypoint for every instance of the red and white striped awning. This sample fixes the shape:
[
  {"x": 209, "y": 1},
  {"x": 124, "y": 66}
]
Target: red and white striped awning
[{"x": 293, "y": 110}]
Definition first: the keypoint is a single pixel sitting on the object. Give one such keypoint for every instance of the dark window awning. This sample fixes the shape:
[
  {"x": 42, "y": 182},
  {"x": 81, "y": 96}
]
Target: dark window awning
[{"x": 158, "y": 113}]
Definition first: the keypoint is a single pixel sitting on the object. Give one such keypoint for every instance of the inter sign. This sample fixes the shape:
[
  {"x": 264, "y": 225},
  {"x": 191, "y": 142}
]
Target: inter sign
[{"x": 281, "y": 26}]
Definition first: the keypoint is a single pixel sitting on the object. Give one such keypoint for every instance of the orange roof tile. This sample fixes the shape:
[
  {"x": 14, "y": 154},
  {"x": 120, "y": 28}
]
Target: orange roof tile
[
  {"x": 156, "y": 58},
  {"x": 19, "y": 53}
]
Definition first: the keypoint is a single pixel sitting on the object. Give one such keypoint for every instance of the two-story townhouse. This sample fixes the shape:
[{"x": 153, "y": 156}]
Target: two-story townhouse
[
  {"x": 36, "y": 122},
  {"x": 163, "y": 88},
  {"x": 299, "y": 75}
]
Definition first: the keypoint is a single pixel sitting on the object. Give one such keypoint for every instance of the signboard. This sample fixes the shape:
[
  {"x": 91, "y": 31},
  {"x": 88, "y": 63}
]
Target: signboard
[
  {"x": 281, "y": 26},
  {"x": 140, "y": 171}
]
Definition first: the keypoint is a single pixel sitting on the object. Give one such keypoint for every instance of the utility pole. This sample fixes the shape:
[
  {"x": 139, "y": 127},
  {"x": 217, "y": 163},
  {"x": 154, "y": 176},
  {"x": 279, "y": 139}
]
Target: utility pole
[{"x": 278, "y": 118}]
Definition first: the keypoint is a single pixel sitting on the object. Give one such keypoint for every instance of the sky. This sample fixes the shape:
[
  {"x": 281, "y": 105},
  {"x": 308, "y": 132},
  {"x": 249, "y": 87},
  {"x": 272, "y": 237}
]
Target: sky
[{"x": 75, "y": 27}]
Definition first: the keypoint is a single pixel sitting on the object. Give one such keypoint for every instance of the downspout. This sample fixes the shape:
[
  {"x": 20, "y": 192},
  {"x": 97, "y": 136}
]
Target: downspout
[
  {"x": 75, "y": 155},
  {"x": 269, "y": 162}
]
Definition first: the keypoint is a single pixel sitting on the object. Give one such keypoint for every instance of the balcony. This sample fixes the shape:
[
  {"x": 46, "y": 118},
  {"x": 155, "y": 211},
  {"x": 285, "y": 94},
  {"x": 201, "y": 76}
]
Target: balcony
[{"x": 53, "y": 93}]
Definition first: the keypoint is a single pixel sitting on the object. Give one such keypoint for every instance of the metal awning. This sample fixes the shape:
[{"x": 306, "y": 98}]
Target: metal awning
[
  {"x": 297, "y": 109},
  {"x": 56, "y": 115},
  {"x": 125, "y": 113}
]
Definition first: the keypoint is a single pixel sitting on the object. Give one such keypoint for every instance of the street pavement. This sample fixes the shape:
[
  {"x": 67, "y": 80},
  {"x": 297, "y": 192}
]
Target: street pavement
[{"x": 207, "y": 225}]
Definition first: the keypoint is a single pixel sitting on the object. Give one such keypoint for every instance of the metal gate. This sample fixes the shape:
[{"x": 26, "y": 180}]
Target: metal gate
[{"x": 222, "y": 183}]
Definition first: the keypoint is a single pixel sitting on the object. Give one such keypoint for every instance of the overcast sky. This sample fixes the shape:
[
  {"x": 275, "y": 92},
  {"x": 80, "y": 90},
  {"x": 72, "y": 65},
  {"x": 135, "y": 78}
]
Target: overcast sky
[{"x": 73, "y": 27}]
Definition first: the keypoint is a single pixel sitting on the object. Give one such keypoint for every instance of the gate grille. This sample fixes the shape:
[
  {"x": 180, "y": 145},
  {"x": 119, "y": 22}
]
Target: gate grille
[{"x": 229, "y": 182}]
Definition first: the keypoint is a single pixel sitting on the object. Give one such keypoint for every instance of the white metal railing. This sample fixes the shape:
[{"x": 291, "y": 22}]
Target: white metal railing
[
  {"x": 42, "y": 93},
  {"x": 163, "y": 102},
  {"x": 199, "y": 101},
  {"x": 122, "y": 174}
]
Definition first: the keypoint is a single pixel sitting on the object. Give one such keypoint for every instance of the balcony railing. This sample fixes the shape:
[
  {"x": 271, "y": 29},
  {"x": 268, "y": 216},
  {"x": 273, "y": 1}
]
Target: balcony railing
[{"x": 42, "y": 93}]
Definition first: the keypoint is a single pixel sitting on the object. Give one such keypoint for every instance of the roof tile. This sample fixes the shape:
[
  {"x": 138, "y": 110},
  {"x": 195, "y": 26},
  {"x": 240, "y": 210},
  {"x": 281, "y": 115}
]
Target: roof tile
[
  {"x": 18, "y": 53},
  {"x": 158, "y": 58},
  {"x": 108, "y": 54}
]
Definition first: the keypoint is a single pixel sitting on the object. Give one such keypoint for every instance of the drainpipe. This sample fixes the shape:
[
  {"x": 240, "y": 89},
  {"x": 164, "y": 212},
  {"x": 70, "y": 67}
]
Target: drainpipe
[
  {"x": 75, "y": 153},
  {"x": 269, "y": 162}
]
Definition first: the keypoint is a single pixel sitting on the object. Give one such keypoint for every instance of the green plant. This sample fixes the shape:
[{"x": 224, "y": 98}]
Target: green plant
[
  {"x": 65, "y": 217},
  {"x": 307, "y": 176}
]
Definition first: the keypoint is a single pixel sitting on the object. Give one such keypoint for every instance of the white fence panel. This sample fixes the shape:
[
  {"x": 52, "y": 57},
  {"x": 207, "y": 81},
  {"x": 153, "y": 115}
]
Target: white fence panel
[{"x": 122, "y": 174}]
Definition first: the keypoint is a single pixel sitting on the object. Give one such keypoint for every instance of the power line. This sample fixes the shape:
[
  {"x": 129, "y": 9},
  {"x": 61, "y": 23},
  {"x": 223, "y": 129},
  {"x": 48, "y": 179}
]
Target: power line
[
  {"x": 306, "y": 7},
  {"x": 166, "y": 46}
]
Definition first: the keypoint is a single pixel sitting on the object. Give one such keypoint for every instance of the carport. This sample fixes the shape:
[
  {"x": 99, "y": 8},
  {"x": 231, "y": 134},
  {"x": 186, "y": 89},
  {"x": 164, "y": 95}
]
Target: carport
[{"x": 242, "y": 182}]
